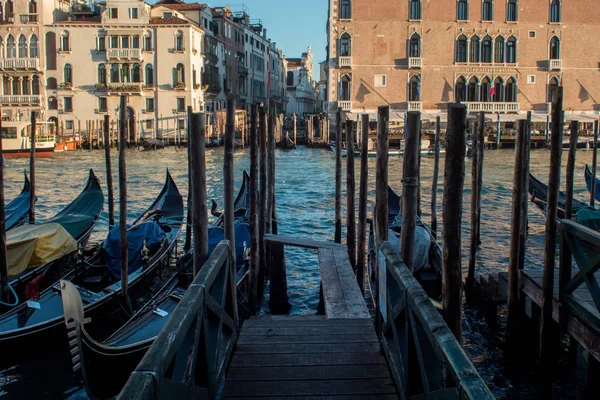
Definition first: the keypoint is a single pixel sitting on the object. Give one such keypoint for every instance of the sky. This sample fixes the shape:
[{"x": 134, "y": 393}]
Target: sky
[{"x": 292, "y": 24}]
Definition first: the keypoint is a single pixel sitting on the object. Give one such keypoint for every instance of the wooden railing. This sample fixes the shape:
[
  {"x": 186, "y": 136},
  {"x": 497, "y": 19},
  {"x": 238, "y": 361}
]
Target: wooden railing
[
  {"x": 189, "y": 357},
  {"x": 584, "y": 245},
  {"x": 425, "y": 359}
]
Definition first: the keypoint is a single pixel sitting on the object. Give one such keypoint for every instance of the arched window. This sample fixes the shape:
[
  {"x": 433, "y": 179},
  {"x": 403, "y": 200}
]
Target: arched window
[
  {"x": 486, "y": 49},
  {"x": 32, "y": 8},
  {"x": 10, "y": 9},
  {"x": 512, "y": 10},
  {"x": 460, "y": 89},
  {"x": 461, "y": 49},
  {"x": 555, "y": 48},
  {"x": 485, "y": 89},
  {"x": 345, "y": 45},
  {"x": 487, "y": 10},
  {"x": 68, "y": 73},
  {"x": 16, "y": 86},
  {"x": 498, "y": 95},
  {"x": 179, "y": 41},
  {"x": 414, "y": 88},
  {"x": 511, "y": 50},
  {"x": 22, "y": 46},
  {"x": 6, "y": 86},
  {"x": 1, "y": 12},
  {"x": 136, "y": 73},
  {"x": 474, "y": 49},
  {"x": 290, "y": 78},
  {"x": 114, "y": 73},
  {"x": 345, "y": 93},
  {"x": 414, "y": 11},
  {"x": 1, "y": 42},
  {"x": 65, "y": 41},
  {"x": 51, "y": 83},
  {"x": 102, "y": 74},
  {"x": 511, "y": 90},
  {"x": 149, "y": 75},
  {"x": 35, "y": 85},
  {"x": 555, "y": 12},
  {"x": 462, "y": 10},
  {"x": 414, "y": 45},
  {"x": 499, "y": 50},
  {"x": 26, "y": 83},
  {"x": 33, "y": 46},
  {"x": 148, "y": 41},
  {"x": 473, "y": 89},
  {"x": 125, "y": 70},
  {"x": 346, "y": 9},
  {"x": 11, "y": 47},
  {"x": 552, "y": 86},
  {"x": 179, "y": 74}
]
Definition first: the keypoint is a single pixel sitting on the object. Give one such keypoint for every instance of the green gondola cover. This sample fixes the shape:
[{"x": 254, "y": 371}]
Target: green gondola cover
[{"x": 589, "y": 217}]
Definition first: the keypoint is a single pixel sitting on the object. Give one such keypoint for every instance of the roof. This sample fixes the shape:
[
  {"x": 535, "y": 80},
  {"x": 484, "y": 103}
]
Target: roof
[
  {"x": 184, "y": 6},
  {"x": 169, "y": 21}
]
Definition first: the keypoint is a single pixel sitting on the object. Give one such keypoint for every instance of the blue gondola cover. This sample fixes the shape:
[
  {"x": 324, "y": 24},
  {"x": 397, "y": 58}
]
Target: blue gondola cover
[{"x": 242, "y": 240}]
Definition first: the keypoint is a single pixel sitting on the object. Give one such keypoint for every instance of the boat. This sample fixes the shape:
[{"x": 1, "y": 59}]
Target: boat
[
  {"x": 151, "y": 144},
  {"x": 51, "y": 245},
  {"x": 428, "y": 254},
  {"x": 70, "y": 143},
  {"x": 539, "y": 196},
  {"x": 286, "y": 143},
  {"x": 16, "y": 140},
  {"x": 38, "y": 328},
  {"x": 333, "y": 148},
  {"x": 17, "y": 211},
  {"x": 588, "y": 181},
  {"x": 122, "y": 351}
]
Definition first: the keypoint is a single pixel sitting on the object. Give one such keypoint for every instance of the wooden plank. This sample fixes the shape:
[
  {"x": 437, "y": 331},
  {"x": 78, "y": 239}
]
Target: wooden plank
[
  {"x": 313, "y": 373},
  {"x": 307, "y": 330},
  {"x": 335, "y": 303},
  {"x": 443, "y": 394},
  {"x": 319, "y": 338},
  {"x": 289, "y": 321},
  {"x": 352, "y": 293},
  {"x": 301, "y": 348},
  {"x": 310, "y": 387},
  {"x": 332, "y": 397},
  {"x": 301, "y": 242},
  {"x": 310, "y": 359}
]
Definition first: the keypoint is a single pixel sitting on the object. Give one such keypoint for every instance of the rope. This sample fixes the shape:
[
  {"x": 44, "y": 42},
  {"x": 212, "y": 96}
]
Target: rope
[
  {"x": 410, "y": 182},
  {"x": 14, "y": 295}
]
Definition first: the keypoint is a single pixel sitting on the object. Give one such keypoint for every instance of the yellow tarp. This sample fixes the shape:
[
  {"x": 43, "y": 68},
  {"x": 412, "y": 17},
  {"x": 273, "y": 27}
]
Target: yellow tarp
[{"x": 30, "y": 246}]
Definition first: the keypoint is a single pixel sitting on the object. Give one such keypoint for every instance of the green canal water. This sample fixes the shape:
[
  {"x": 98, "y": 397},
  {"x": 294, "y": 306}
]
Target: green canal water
[{"x": 305, "y": 187}]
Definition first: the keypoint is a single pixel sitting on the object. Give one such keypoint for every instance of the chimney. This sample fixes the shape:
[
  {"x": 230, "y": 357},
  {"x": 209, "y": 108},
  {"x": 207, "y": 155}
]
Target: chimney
[{"x": 265, "y": 33}]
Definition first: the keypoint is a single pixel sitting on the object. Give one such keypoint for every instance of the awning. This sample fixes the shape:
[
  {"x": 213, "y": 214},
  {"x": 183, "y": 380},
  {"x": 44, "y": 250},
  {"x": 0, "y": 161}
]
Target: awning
[{"x": 581, "y": 116}]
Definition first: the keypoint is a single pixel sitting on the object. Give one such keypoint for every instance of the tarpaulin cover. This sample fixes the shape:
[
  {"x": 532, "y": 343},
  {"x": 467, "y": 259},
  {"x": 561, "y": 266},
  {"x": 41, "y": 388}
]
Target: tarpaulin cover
[
  {"x": 242, "y": 240},
  {"x": 422, "y": 244},
  {"x": 151, "y": 232},
  {"x": 589, "y": 217},
  {"x": 30, "y": 246}
]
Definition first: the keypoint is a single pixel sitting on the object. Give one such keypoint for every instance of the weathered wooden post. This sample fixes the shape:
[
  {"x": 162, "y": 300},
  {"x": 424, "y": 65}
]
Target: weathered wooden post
[
  {"x": 410, "y": 184},
  {"x": 253, "y": 200},
  {"x": 525, "y": 196},
  {"x": 549, "y": 340},
  {"x": 32, "y": 147},
  {"x": 198, "y": 189},
  {"x": 295, "y": 129},
  {"x": 4, "y": 290},
  {"x": 362, "y": 204},
  {"x": 452, "y": 217},
  {"x": 228, "y": 176},
  {"x": 338, "y": 179},
  {"x": 91, "y": 134},
  {"x": 434, "y": 184},
  {"x": 262, "y": 206},
  {"x": 350, "y": 199},
  {"x": 109, "y": 179},
  {"x": 188, "y": 220},
  {"x": 271, "y": 170},
  {"x": 498, "y": 133},
  {"x": 123, "y": 201},
  {"x": 594, "y": 165}
]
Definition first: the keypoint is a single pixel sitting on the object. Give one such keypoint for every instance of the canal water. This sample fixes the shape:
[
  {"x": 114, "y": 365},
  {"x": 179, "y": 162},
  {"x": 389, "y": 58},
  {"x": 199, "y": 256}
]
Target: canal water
[{"x": 305, "y": 187}]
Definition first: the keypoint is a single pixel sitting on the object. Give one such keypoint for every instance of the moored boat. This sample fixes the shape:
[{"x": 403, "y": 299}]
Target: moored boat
[
  {"x": 16, "y": 139},
  {"x": 539, "y": 196},
  {"x": 286, "y": 143},
  {"x": 588, "y": 182},
  {"x": 17, "y": 211}
]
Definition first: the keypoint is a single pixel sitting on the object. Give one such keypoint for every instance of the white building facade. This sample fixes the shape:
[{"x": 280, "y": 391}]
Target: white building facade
[{"x": 301, "y": 88}]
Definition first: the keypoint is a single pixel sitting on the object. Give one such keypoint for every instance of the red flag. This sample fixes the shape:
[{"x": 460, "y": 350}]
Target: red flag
[{"x": 492, "y": 91}]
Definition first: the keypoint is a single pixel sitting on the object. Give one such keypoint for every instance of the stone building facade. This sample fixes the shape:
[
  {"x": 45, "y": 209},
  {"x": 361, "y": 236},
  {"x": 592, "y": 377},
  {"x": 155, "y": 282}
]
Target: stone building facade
[
  {"x": 498, "y": 56},
  {"x": 301, "y": 87}
]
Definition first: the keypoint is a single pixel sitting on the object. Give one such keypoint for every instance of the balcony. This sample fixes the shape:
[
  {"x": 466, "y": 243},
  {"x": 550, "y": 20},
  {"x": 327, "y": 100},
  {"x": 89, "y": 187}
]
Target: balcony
[
  {"x": 9, "y": 18},
  {"x": 345, "y": 62},
  {"x": 492, "y": 107},
  {"x": 19, "y": 63},
  {"x": 345, "y": 105},
  {"x": 554, "y": 65},
  {"x": 415, "y": 62},
  {"x": 20, "y": 100},
  {"x": 414, "y": 106},
  {"x": 121, "y": 88},
  {"x": 124, "y": 54},
  {"x": 242, "y": 71},
  {"x": 28, "y": 18},
  {"x": 211, "y": 58}
]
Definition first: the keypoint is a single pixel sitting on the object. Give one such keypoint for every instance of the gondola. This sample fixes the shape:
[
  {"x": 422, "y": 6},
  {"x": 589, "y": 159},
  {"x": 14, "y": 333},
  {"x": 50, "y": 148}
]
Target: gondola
[
  {"x": 27, "y": 331},
  {"x": 539, "y": 196},
  {"x": 333, "y": 148},
  {"x": 428, "y": 254},
  {"x": 17, "y": 211},
  {"x": 588, "y": 181},
  {"x": 75, "y": 222},
  {"x": 124, "y": 349},
  {"x": 286, "y": 143}
]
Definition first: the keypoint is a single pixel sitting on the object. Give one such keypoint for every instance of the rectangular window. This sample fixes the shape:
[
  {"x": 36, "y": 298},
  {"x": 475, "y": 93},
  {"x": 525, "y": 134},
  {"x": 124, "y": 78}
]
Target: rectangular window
[
  {"x": 555, "y": 11},
  {"x": 181, "y": 104},
  {"x": 181, "y": 124},
  {"x": 487, "y": 11},
  {"x": 148, "y": 44},
  {"x": 380, "y": 80},
  {"x": 135, "y": 42},
  {"x": 530, "y": 79},
  {"x": 462, "y": 10},
  {"x": 532, "y": 34},
  {"x": 101, "y": 45},
  {"x": 149, "y": 105},
  {"x": 114, "y": 42},
  {"x": 124, "y": 42},
  {"x": 69, "y": 124},
  {"x": 133, "y": 13},
  {"x": 168, "y": 15},
  {"x": 113, "y": 13},
  {"x": 415, "y": 9},
  {"x": 68, "y": 104},
  {"x": 346, "y": 9},
  {"x": 102, "y": 104},
  {"x": 148, "y": 124},
  {"x": 205, "y": 23},
  {"x": 511, "y": 11}
]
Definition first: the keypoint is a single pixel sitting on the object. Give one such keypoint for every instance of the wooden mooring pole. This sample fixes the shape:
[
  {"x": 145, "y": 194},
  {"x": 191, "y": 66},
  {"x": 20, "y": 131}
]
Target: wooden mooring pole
[
  {"x": 4, "y": 290},
  {"x": 109, "y": 178},
  {"x": 436, "y": 172},
  {"x": 525, "y": 198},
  {"x": 271, "y": 170},
  {"x": 452, "y": 216},
  {"x": 410, "y": 185},
  {"x": 295, "y": 128},
  {"x": 188, "y": 220},
  {"x": 228, "y": 176},
  {"x": 199, "y": 226},
  {"x": 262, "y": 206},
  {"x": 594, "y": 165},
  {"x": 32, "y": 167},
  {"x": 123, "y": 201},
  {"x": 350, "y": 198},
  {"x": 338, "y": 179},
  {"x": 362, "y": 203},
  {"x": 253, "y": 200},
  {"x": 549, "y": 339}
]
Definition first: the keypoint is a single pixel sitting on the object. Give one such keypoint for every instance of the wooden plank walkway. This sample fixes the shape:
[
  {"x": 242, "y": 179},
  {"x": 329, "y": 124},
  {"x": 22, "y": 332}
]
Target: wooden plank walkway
[{"x": 308, "y": 357}]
